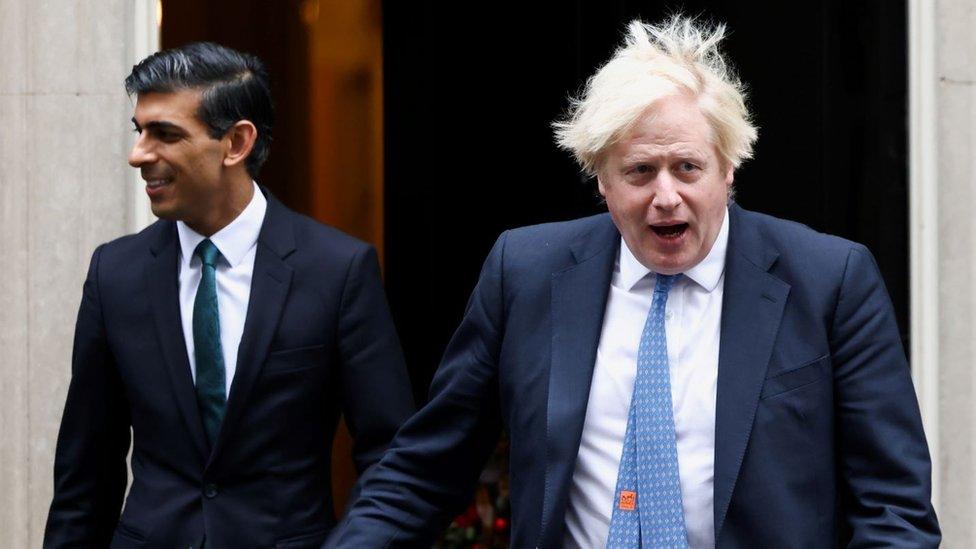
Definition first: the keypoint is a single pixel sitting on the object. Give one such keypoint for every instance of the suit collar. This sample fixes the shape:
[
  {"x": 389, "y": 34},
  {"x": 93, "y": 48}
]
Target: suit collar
[
  {"x": 578, "y": 300},
  {"x": 270, "y": 284},
  {"x": 752, "y": 308},
  {"x": 594, "y": 238},
  {"x": 746, "y": 240},
  {"x": 277, "y": 231},
  {"x": 162, "y": 234},
  {"x": 162, "y": 280}
]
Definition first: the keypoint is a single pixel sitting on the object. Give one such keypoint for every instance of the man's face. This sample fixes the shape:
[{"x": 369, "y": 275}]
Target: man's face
[
  {"x": 666, "y": 187},
  {"x": 180, "y": 162}
]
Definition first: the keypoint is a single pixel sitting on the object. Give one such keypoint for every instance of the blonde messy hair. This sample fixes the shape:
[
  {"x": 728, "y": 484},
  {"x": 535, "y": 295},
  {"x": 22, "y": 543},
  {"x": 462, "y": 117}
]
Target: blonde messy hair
[{"x": 655, "y": 61}]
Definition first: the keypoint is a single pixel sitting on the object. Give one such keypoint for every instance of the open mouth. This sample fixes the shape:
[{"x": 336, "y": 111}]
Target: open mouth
[
  {"x": 156, "y": 183},
  {"x": 670, "y": 231}
]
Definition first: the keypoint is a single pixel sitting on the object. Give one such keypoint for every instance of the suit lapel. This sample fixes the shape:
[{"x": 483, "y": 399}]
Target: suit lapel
[
  {"x": 270, "y": 283},
  {"x": 163, "y": 283},
  {"x": 578, "y": 301},
  {"x": 752, "y": 308}
]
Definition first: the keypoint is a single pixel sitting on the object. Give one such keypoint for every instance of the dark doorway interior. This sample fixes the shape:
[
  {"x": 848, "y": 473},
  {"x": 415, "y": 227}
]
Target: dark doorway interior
[
  {"x": 470, "y": 93},
  {"x": 274, "y": 33}
]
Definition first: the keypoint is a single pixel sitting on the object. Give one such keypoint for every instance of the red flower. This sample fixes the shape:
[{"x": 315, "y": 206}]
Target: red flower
[{"x": 468, "y": 518}]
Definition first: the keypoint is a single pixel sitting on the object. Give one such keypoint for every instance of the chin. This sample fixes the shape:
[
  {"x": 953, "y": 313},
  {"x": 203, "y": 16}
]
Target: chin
[
  {"x": 668, "y": 270},
  {"x": 669, "y": 265},
  {"x": 163, "y": 213}
]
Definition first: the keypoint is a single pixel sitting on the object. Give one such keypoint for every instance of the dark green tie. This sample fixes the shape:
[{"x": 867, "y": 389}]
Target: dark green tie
[{"x": 206, "y": 344}]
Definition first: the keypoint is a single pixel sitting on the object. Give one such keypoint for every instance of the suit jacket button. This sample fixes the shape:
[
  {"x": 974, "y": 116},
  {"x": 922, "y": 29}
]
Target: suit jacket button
[{"x": 210, "y": 490}]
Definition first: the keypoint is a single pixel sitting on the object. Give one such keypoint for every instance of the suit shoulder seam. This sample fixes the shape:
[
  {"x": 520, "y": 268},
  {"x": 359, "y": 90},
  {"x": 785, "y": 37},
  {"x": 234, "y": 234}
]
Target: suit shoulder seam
[{"x": 843, "y": 281}]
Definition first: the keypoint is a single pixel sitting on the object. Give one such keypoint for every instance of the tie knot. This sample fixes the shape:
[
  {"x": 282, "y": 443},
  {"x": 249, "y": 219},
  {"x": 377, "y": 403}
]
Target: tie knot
[
  {"x": 664, "y": 282},
  {"x": 207, "y": 252}
]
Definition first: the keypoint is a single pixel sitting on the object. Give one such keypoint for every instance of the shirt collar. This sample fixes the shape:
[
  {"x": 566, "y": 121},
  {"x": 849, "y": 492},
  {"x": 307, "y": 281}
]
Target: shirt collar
[
  {"x": 233, "y": 241},
  {"x": 706, "y": 273}
]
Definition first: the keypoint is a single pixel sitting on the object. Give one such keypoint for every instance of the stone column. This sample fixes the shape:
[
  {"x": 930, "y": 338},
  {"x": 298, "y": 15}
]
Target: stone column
[
  {"x": 943, "y": 225},
  {"x": 956, "y": 120},
  {"x": 64, "y": 188}
]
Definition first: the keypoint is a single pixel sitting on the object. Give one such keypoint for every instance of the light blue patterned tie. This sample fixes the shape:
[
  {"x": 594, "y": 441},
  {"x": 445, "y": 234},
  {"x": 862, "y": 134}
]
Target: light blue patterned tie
[{"x": 647, "y": 508}]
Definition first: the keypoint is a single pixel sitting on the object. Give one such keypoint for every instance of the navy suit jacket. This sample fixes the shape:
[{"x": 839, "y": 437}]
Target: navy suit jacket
[
  {"x": 318, "y": 340},
  {"x": 818, "y": 439}
]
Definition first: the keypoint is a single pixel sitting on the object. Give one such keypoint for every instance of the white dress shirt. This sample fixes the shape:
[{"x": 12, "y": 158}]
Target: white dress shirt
[
  {"x": 237, "y": 243},
  {"x": 692, "y": 320}
]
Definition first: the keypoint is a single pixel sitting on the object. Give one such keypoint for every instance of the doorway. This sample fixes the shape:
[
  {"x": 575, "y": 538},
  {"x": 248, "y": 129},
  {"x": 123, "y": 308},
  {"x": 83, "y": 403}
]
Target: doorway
[{"x": 471, "y": 93}]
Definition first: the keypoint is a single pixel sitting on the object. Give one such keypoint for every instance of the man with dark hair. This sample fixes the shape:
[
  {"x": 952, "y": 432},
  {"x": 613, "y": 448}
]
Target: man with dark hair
[{"x": 228, "y": 336}]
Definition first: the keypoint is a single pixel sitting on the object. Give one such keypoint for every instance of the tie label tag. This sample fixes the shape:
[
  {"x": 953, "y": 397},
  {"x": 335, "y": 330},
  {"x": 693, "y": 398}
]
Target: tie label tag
[{"x": 628, "y": 500}]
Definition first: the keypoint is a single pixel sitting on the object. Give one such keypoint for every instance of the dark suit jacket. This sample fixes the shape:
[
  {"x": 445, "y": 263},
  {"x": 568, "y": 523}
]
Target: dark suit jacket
[
  {"x": 818, "y": 437},
  {"x": 318, "y": 339}
]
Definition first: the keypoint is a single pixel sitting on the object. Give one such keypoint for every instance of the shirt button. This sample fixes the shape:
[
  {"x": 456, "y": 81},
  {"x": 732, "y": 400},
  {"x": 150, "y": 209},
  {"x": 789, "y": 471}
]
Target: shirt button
[
  {"x": 210, "y": 490},
  {"x": 668, "y": 315}
]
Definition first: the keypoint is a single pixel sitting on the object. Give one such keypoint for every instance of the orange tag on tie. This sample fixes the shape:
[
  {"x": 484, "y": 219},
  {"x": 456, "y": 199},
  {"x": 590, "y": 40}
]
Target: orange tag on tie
[{"x": 628, "y": 500}]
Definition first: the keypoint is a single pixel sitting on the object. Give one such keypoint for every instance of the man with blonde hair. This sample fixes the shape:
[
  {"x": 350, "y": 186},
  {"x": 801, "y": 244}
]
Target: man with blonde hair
[{"x": 679, "y": 372}]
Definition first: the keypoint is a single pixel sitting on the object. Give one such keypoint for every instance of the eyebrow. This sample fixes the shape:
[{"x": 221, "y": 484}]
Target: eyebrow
[{"x": 158, "y": 125}]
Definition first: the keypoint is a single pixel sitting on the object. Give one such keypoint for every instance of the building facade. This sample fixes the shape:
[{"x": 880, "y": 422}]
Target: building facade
[{"x": 65, "y": 188}]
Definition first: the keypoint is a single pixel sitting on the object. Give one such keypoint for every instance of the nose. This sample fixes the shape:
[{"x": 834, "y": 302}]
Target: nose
[
  {"x": 141, "y": 153},
  {"x": 666, "y": 196}
]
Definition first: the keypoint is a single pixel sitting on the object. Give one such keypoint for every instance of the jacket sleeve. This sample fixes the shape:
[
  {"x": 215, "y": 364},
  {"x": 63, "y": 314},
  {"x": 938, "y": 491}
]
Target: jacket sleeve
[
  {"x": 429, "y": 472},
  {"x": 375, "y": 389},
  {"x": 883, "y": 459},
  {"x": 90, "y": 473}
]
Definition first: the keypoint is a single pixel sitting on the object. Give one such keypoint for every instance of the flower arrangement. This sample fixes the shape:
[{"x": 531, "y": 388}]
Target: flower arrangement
[{"x": 485, "y": 523}]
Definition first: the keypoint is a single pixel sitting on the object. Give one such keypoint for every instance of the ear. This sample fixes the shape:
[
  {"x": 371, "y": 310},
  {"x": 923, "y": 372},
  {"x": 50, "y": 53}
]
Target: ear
[
  {"x": 729, "y": 175},
  {"x": 239, "y": 141},
  {"x": 600, "y": 186}
]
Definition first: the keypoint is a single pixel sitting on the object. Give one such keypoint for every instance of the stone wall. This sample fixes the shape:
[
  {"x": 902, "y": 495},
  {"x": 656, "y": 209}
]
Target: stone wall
[
  {"x": 64, "y": 188},
  {"x": 955, "y": 52}
]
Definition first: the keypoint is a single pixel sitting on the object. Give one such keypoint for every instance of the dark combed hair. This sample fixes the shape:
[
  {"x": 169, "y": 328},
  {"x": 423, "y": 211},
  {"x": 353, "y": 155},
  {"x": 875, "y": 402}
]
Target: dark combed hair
[{"x": 235, "y": 87}]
